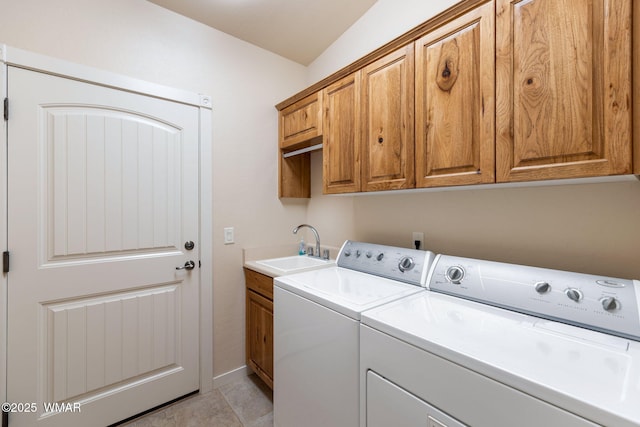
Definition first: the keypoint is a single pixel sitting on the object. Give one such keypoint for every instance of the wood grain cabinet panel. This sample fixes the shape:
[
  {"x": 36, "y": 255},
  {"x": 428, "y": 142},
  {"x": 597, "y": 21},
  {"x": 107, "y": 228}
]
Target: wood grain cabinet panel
[
  {"x": 386, "y": 109},
  {"x": 635, "y": 42},
  {"x": 294, "y": 176},
  {"x": 259, "y": 325},
  {"x": 301, "y": 121},
  {"x": 341, "y": 136},
  {"x": 455, "y": 108},
  {"x": 563, "y": 89}
]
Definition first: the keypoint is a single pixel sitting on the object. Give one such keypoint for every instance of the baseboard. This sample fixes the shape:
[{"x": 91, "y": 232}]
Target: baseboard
[{"x": 231, "y": 376}]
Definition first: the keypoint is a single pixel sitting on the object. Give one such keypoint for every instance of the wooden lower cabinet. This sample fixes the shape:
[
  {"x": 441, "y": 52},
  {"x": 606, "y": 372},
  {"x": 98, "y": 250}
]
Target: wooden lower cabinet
[{"x": 259, "y": 325}]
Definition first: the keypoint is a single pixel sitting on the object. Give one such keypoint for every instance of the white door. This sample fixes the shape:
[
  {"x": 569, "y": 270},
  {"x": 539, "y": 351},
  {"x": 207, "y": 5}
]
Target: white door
[{"x": 102, "y": 195}]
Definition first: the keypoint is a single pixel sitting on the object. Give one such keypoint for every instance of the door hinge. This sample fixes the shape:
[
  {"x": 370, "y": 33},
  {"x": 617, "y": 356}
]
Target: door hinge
[
  {"x": 6, "y": 108},
  {"x": 5, "y": 261}
]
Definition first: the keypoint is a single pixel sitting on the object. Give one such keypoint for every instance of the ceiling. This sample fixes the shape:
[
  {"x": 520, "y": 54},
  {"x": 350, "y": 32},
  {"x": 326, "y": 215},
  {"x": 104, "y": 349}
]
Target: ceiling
[{"x": 299, "y": 30}]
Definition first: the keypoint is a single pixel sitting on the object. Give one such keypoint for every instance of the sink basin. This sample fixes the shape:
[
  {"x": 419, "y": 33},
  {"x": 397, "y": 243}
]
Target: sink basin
[{"x": 295, "y": 263}]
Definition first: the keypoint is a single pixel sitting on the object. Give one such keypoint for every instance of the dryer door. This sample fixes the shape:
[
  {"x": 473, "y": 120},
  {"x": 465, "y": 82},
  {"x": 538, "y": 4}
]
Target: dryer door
[{"x": 390, "y": 405}]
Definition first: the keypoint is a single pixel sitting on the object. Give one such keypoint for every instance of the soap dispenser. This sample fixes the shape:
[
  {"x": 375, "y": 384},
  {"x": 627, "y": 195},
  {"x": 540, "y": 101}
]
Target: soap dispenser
[{"x": 301, "y": 250}]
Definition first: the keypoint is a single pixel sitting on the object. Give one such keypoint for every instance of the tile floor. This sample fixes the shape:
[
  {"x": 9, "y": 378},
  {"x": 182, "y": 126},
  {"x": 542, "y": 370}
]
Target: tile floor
[{"x": 246, "y": 402}]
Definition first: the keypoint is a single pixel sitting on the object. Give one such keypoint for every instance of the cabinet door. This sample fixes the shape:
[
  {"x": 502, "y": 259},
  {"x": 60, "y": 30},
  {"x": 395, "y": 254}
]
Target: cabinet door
[
  {"x": 386, "y": 110},
  {"x": 301, "y": 121},
  {"x": 260, "y": 336},
  {"x": 455, "y": 105},
  {"x": 563, "y": 89},
  {"x": 341, "y": 134}
]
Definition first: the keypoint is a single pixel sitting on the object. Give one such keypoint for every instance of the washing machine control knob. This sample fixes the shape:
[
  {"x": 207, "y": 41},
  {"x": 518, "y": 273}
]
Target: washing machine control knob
[
  {"x": 543, "y": 287},
  {"x": 455, "y": 274},
  {"x": 610, "y": 303},
  {"x": 406, "y": 263},
  {"x": 347, "y": 252},
  {"x": 369, "y": 254},
  {"x": 573, "y": 294},
  {"x": 380, "y": 256}
]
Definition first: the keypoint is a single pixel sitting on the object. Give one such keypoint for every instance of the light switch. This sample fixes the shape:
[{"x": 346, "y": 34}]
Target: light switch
[{"x": 228, "y": 236}]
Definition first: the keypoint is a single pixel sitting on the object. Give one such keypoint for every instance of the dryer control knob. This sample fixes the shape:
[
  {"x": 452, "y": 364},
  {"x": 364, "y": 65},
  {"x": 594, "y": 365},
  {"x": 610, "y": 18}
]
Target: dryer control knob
[
  {"x": 543, "y": 287},
  {"x": 574, "y": 294},
  {"x": 455, "y": 274},
  {"x": 406, "y": 263},
  {"x": 610, "y": 303},
  {"x": 380, "y": 256}
]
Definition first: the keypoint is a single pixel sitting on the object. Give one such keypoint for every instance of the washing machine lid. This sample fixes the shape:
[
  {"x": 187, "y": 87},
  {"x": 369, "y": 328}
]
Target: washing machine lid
[
  {"x": 346, "y": 291},
  {"x": 589, "y": 373}
]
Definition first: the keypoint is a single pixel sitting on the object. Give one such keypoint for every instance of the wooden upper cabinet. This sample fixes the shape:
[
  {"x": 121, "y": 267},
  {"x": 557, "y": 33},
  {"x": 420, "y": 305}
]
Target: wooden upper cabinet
[
  {"x": 341, "y": 136},
  {"x": 300, "y": 125},
  {"x": 563, "y": 89},
  {"x": 386, "y": 108},
  {"x": 294, "y": 175},
  {"x": 301, "y": 122},
  {"x": 503, "y": 90},
  {"x": 455, "y": 106}
]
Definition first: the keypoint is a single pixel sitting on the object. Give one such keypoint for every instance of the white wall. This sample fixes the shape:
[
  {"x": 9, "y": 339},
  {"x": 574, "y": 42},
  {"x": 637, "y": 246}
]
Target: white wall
[
  {"x": 592, "y": 228},
  {"x": 142, "y": 40},
  {"x": 383, "y": 22}
]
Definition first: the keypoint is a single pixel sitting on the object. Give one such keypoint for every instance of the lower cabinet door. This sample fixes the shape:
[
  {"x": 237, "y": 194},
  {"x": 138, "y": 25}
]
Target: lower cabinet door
[{"x": 260, "y": 336}]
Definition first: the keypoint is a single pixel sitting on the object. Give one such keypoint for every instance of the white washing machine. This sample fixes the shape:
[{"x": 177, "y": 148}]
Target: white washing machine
[
  {"x": 500, "y": 345},
  {"x": 316, "y": 330}
]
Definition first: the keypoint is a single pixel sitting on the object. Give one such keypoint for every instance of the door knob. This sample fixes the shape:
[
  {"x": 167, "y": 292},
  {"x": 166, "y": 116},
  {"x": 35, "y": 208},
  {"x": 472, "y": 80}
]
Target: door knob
[{"x": 189, "y": 265}]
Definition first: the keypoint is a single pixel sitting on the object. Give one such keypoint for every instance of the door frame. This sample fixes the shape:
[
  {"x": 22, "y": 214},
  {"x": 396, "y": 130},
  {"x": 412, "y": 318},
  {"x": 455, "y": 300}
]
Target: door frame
[{"x": 10, "y": 56}]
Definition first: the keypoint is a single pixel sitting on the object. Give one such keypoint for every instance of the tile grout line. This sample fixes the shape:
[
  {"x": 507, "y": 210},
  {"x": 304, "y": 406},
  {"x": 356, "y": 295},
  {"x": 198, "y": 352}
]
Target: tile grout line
[{"x": 232, "y": 408}]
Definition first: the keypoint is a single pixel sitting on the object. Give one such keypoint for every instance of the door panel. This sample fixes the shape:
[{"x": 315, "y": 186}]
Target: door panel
[
  {"x": 103, "y": 190},
  {"x": 113, "y": 176},
  {"x": 260, "y": 339},
  {"x": 387, "y": 122},
  {"x": 341, "y": 134},
  {"x": 455, "y": 111},
  {"x": 563, "y": 87}
]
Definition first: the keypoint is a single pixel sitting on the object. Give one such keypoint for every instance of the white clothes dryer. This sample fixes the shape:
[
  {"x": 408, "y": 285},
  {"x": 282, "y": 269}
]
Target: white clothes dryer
[
  {"x": 502, "y": 345},
  {"x": 316, "y": 329}
]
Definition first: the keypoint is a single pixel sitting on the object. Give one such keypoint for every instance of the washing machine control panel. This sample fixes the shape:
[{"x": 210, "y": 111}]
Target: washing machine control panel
[
  {"x": 402, "y": 264},
  {"x": 601, "y": 303}
]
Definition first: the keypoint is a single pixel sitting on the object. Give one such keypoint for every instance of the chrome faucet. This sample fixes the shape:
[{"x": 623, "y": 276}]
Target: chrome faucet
[{"x": 315, "y": 233}]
